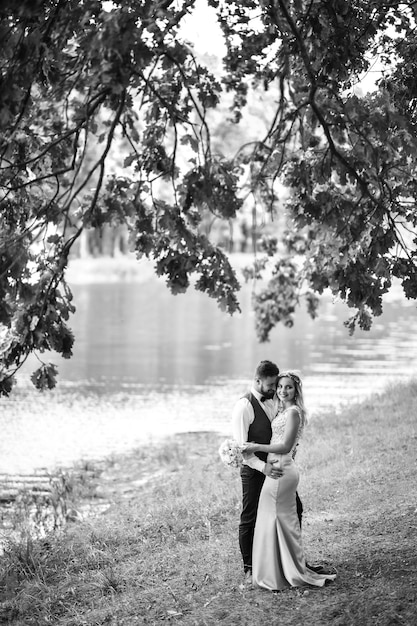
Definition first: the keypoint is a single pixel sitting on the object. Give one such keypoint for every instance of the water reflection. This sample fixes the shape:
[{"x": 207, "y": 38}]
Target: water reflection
[{"x": 141, "y": 334}]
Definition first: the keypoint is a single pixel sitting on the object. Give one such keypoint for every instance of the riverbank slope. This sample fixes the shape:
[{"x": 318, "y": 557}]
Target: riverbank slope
[{"x": 165, "y": 550}]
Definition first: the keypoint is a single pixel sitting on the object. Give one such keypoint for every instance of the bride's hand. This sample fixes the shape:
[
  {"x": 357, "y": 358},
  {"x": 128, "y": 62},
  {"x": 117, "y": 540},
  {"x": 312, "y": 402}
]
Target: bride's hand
[{"x": 249, "y": 448}]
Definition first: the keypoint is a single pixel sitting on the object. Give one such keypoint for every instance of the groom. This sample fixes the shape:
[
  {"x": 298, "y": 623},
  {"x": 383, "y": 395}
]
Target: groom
[{"x": 251, "y": 421}]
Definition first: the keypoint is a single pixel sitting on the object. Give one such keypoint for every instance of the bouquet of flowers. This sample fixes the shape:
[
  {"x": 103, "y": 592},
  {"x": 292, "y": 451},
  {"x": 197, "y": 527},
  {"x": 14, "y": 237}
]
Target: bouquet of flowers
[{"x": 230, "y": 453}]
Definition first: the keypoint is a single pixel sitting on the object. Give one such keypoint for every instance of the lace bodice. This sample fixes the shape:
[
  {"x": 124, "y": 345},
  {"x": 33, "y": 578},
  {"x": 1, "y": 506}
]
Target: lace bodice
[{"x": 278, "y": 428}]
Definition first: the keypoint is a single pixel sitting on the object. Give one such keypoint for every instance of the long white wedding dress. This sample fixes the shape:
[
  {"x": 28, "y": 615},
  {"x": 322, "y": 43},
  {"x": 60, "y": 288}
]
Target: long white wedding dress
[{"x": 278, "y": 559}]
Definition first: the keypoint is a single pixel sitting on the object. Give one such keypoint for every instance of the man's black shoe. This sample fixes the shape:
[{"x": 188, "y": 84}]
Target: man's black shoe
[{"x": 321, "y": 569}]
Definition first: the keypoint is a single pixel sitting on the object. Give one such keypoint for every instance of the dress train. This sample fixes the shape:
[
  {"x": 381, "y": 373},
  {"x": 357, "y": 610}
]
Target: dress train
[{"x": 278, "y": 555}]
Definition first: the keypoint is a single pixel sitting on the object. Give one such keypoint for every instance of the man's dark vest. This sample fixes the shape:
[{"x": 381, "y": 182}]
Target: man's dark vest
[{"x": 260, "y": 429}]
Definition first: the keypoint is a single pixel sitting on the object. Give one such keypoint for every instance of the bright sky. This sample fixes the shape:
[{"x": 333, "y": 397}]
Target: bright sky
[{"x": 202, "y": 29}]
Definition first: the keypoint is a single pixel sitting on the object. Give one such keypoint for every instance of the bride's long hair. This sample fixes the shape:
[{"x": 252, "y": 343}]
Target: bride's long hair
[{"x": 298, "y": 397}]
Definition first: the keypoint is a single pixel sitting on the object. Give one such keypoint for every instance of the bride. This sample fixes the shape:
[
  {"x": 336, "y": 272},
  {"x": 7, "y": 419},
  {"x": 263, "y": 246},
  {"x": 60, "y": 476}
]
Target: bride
[{"x": 278, "y": 557}]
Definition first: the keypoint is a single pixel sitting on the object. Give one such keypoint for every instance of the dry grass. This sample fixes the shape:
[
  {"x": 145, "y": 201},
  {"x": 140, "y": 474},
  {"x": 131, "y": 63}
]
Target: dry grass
[{"x": 167, "y": 550}]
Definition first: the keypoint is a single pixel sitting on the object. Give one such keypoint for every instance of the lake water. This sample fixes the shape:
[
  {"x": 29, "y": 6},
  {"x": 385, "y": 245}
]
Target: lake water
[
  {"x": 177, "y": 363},
  {"x": 138, "y": 334}
]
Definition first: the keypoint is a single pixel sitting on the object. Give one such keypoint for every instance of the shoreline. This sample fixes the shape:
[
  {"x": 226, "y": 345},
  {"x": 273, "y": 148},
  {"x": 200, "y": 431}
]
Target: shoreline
[
  {"x": 83, "y": 491},
  {"x": 127, "y": 268},
  {"x": 75, "y": 424}
]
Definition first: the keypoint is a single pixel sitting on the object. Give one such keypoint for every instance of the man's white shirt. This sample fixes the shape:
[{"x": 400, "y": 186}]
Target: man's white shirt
[{"x": 243, "y": 416}]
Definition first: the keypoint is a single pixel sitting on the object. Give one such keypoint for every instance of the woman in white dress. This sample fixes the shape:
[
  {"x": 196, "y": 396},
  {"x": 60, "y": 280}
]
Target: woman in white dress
[{"x": 278, "y": 555}]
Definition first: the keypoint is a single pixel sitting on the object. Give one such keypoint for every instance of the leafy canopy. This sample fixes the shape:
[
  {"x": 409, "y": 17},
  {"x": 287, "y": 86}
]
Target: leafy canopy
[{"x": 105, "y": 119}]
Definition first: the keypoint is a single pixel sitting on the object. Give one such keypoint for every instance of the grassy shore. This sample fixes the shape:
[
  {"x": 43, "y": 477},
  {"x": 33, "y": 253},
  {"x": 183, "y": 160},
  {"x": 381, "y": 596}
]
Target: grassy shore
[{"x": 165, "y": 549}]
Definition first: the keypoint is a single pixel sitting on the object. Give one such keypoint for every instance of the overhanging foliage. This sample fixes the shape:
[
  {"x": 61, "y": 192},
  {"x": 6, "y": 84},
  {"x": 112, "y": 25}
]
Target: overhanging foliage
[{"x": 104, "y": 119}]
